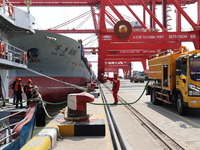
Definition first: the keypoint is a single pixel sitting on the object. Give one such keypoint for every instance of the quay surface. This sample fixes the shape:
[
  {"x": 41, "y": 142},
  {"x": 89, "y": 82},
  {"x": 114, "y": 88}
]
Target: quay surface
[{"x": 184, "y": 130}]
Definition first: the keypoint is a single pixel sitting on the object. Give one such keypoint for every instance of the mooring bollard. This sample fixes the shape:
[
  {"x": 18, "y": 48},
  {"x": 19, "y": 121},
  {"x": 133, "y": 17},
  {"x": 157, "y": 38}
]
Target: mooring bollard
[{"x": 77, "y": 108}]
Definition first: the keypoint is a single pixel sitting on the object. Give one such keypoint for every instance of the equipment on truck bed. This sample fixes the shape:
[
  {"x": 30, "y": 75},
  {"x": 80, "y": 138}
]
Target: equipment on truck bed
[{"x": 176, "y": 79}]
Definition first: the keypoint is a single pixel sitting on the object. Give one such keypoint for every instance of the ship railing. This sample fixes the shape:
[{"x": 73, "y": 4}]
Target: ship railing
[
  {"x": 86, "y": 64},
  {"x": 8, "y": 9},
  {"x": 14, "y": 54},
  {"x": 5, "y": 128}
]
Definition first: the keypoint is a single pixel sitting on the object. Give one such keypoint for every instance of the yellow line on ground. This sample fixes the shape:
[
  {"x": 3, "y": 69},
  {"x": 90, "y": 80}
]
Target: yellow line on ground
[{"x": 183, "y": 118}]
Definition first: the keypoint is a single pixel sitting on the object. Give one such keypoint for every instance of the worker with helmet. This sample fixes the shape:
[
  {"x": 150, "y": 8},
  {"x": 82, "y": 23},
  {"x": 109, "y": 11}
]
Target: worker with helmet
[
  {"x": 115, "y": 88},
  {"x": 116, "y": 84},
  {"x": 18, "y": 90},
  {"x": 27, "y": 89}
]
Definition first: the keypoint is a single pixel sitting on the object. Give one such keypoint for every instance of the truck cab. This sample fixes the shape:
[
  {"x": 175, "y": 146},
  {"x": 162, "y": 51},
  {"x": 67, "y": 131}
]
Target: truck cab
[
  {"x": 188, "y": 82},
  {"x": 176, "y": 79}
]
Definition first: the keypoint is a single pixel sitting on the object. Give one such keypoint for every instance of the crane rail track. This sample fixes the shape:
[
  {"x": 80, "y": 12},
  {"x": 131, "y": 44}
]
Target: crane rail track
[
  {"x": 117, "y": 140},
  {"x": 165, "y": 140}
]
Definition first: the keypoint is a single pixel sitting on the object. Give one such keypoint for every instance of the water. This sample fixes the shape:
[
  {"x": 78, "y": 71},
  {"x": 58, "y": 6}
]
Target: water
[{"x": 52, "y": 110}]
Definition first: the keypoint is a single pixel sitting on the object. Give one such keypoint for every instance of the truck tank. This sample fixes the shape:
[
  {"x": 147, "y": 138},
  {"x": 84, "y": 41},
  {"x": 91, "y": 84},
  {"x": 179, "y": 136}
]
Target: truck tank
[{"x": 162, "y": 69}]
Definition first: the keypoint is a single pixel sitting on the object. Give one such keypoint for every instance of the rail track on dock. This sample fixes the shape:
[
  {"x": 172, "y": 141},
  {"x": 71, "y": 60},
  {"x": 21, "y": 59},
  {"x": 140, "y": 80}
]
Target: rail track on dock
[
  {"x": 118, "y": 143},
  {"x": 117, "y": 140}
]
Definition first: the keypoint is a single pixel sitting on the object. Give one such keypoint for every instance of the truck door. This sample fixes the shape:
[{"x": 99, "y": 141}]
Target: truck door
[{"x": 165, "y": 75}]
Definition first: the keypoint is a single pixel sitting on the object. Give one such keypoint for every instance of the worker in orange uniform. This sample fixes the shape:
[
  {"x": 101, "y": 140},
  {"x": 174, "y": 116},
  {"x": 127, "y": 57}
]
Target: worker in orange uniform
[
  {"x": 27, "y": 89},
  {"x": 18, "y": 90},
  {"x": 116, "y": 84}
]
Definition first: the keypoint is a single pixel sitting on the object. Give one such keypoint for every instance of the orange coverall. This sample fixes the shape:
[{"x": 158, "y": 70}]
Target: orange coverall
[{"x": 115, "y": 88}]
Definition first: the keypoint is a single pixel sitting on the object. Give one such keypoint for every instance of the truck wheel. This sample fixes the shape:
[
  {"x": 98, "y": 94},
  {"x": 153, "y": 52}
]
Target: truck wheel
[{"x": 182, "y": 110}]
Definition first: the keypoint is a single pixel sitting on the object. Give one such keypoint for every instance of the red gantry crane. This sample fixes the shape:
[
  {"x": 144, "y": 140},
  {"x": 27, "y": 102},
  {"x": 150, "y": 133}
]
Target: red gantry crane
[{"x": 121, "y": 40}]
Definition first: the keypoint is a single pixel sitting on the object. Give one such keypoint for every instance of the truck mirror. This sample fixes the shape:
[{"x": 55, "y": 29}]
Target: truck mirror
[
  {"x": 178, "y": 64},
  {"x": 178, "y": 72}
]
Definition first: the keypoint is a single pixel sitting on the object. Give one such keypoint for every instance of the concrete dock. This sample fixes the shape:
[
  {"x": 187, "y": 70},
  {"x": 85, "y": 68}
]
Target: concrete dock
[{"x": 81, "y": 137}]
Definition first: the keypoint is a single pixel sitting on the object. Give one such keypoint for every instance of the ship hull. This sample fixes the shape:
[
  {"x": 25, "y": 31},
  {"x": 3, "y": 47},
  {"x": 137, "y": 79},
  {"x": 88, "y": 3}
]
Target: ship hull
[
  {"x": 58, "y": 57},
  {"x": 23, "y": 129},
  {"x": 53, "y": 91}
]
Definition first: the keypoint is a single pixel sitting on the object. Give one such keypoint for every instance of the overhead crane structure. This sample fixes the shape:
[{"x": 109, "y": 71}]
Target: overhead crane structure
[{"x": 119, "y": 41}]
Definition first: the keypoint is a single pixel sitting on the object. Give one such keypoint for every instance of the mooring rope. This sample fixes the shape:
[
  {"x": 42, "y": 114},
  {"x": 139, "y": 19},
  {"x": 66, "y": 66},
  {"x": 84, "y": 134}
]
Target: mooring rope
[{"x": 69, "y": 84}]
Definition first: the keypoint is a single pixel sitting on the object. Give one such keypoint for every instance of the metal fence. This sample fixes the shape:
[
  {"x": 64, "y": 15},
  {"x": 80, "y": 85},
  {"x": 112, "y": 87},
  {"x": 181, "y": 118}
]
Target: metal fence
[
  {"x": 12, "y": 53},
  {"x": 5, "y": 128}
]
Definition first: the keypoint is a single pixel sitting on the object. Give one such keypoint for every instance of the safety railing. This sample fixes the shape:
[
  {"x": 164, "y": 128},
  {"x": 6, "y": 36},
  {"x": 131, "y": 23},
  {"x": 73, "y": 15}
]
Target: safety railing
[
  {"x": 5, "y": 128},
  {"x": 7, "y": 8},
  {"x": 12, "y": 53}
]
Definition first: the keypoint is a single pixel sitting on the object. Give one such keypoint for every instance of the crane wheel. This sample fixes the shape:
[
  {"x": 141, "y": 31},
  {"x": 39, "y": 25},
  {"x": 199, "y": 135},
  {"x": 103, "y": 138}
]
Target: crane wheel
[{"x": 123, "y": 29}]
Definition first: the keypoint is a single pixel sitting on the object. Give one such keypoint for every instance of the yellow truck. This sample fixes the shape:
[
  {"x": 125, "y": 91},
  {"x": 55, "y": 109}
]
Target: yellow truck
[{"x": 176, "y": 79}]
